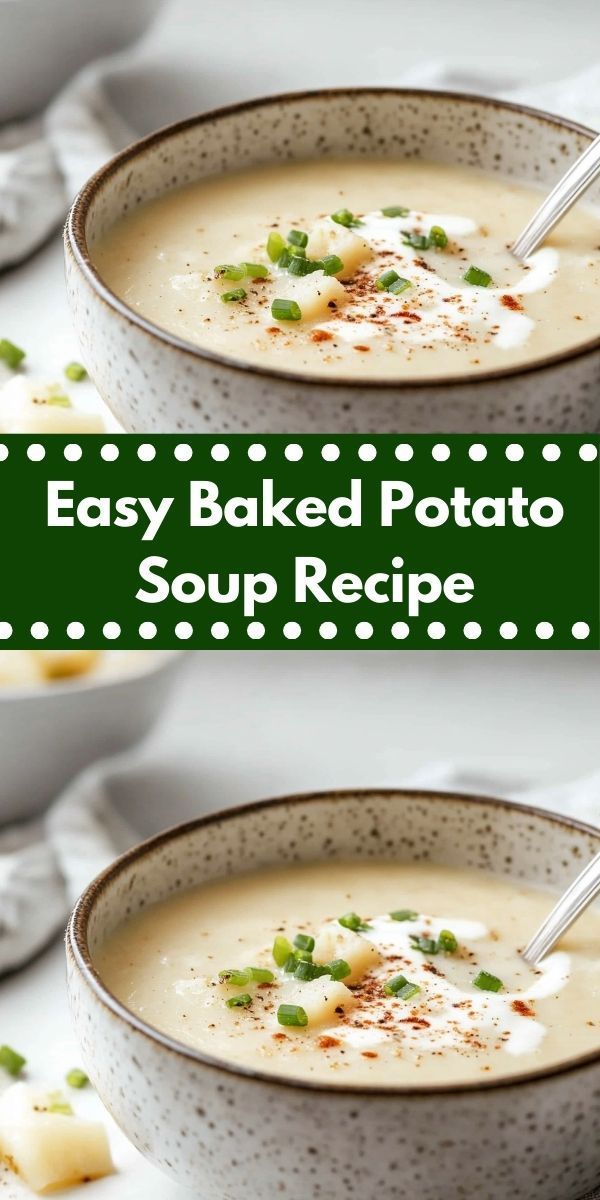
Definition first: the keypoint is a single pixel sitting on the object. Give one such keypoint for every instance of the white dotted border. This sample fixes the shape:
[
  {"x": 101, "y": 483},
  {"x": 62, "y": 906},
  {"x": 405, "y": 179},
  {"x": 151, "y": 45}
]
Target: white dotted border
[{"x": 293, "y": 452}]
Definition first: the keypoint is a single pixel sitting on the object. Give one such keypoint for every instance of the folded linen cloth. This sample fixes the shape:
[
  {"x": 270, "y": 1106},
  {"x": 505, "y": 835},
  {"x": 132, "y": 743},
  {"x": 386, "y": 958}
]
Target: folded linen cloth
[
  {"x": 44, "y": 162},
  {"x": 45, "y": 865}
]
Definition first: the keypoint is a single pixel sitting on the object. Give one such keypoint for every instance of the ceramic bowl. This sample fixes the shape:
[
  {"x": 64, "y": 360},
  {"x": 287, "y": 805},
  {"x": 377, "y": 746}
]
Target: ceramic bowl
[
  {"x": 43, "y": 43},
  {"x": 49, "y": 732},
  {"x": 155, "y": 382},
  {"x": 229, "y": 1131}
]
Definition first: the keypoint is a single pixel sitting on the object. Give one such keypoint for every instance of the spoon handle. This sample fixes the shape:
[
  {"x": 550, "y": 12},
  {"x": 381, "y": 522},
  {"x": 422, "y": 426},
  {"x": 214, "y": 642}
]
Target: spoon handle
[
  {"x": 570, "y": 906},
  {"x": 567, "y": 191}
]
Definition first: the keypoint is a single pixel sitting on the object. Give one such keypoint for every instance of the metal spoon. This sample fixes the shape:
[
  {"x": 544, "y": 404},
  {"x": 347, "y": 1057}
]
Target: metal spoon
[
  {"x": 573, "y": 184},
  {"x": 577, "y": 897}
]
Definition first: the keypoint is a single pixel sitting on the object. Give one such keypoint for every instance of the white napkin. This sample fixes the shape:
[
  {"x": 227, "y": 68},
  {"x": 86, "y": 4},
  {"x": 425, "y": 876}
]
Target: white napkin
[
  {"x": 45, "y": 865},
  {"x": 44, "y": 162}
]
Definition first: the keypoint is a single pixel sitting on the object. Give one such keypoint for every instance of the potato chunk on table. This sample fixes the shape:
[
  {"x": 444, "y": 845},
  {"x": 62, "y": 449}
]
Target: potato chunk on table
[{"x": 50, "y": 1150}]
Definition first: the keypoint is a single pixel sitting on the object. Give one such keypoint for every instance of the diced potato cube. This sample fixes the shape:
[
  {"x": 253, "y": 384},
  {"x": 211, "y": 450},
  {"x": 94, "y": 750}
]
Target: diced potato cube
[
  {"x": 336, "y": 942},
  {"x": 315, "y": 293},
  {"x": 50, "y": 1150},
  {"x": 29, "y": 406},
  {"x": 320, "y": 998},
  {"x": 329, "y": 238},
  {"x": 19, "y": 668},
  {"x": 60, "y": 664}
]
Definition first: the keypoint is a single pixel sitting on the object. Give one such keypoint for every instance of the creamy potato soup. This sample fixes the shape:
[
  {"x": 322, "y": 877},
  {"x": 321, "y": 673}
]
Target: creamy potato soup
[
  {"x": 361, "y": 973},
  {"x": 358, "y": 269}
]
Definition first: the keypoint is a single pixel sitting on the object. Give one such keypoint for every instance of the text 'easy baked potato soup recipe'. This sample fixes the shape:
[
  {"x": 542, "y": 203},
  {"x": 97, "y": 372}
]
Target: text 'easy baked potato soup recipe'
[{"x": 358, "y": 269}]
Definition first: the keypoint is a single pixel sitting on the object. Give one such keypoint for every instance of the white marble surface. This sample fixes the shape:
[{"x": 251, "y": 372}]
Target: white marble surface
[{"x": 270, "y": 723}]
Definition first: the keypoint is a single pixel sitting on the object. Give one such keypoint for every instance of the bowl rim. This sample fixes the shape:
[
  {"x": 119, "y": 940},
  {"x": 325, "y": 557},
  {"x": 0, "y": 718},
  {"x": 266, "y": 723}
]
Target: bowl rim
[
  {"x": 76, "y": 241},
  {"x": 91, "y": 681},
  {"x": 77, "y": 943}
]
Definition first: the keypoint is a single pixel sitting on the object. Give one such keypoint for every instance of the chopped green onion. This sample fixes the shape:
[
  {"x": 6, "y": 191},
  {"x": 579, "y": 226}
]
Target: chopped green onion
[
  {"x": 58, "y": 399},
  {"x": 383, "y": 283},
  {"x": 275, "y": 246},
  {"x": 418, "y": 241},
  {"x": 303, "y": 941},
  {"x": 331, "y": 264},
  {"x": 395, "y": 210},
  {"x": 404, "y": 914},
  {"x": 303, "y": 955},
  {"x": 447, "y": 942},
  {"x": 338, "y": 968},
  {"x": 255, "y": 270},
  {"x": 285, "y": 258},
  {"x": 234, "y": 977},
  {"x": 343, "y": 216},
  {"x": 399, "y": 285},
  {"x": 426, "y": 945},
  {"x": 401, "y": 987},
  {"x": 75, "y": 371},
  {"x": 12, "y": 355},
  {"x": 76, "y": 1078},
  {"x": 291, "y": 1014},
  {"x": 242, "y": 1000},
  {"x": 229, "y": 271},
  {"x": 11, "y": 1061},
  {"x": 290, "y": 964},
  {"x": 286, "y": 310},
  {"x": 60, "y": 1106},
  {"x": 477, "y": 277},
  {"x": 487, "y": 982},
  {"x": 352, "y": 921},
  {"x": 438, "y": 236},
  {"x": 297, "y": 238},
  {"x": 302, "y": 266},
  {"x": 260, "y": 975},
  {"x": 282, "y": 950},
  {"x": 308, "y": 970},
  {"x": 231, "y": 297}
]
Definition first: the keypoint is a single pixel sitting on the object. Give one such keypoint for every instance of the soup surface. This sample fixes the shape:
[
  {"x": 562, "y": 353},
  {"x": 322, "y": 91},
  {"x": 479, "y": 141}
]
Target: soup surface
[
  {"x": 434, "y": 992},
  {"x": 428, "y": 290}
]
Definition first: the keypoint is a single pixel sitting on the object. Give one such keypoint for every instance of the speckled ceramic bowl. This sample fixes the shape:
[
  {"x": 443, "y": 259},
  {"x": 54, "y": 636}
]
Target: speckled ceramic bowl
[
  {"x": 156, "y": 383},
  {"x": 229, "y": 1131}
]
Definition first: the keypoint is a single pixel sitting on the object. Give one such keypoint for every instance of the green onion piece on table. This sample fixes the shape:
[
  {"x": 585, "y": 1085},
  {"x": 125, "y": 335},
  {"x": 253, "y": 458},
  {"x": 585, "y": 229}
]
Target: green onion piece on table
[
  {"x": 75, "y": 371},
  {"x": 286, "y": 310},
  {"x": 395, "y": 210},
  {"x": 240, "y": 1001},
  {"x": 291, "y": 1014},
  {"x": 282, "y": 950},
  {"x": 60, "y": 1106},
  {"x": 76, "y": 1078},
  {"x": 10, "y": 354},
  {"x": 487, "y": 982},
  {"x": 11, "y": 1060},
  {"x": 404, "y": 914},
  {"x": 233, "y": 296},
  {"x": 477, "y": 277}
]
